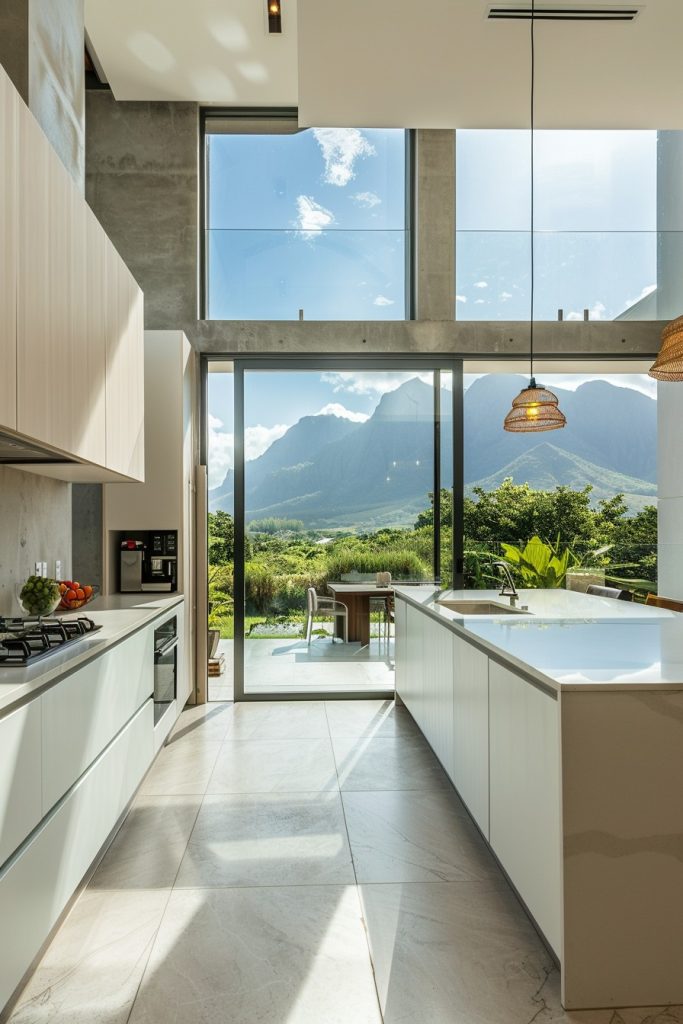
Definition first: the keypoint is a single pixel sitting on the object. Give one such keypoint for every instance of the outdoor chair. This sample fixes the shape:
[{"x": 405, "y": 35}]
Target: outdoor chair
[{"x": 320, "y": 607}]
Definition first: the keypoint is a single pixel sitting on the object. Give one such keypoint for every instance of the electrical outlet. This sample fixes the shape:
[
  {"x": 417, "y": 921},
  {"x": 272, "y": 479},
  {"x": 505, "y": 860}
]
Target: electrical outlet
[
  {"x": 38, "y": 570},
  {"x": 58, "y": 569}
]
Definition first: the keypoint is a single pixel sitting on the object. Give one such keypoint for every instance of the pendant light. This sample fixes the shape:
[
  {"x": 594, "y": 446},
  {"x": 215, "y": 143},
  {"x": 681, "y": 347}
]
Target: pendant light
[
  {"x": 535, "y": 408},
  {"x": 669, "y": 363}
]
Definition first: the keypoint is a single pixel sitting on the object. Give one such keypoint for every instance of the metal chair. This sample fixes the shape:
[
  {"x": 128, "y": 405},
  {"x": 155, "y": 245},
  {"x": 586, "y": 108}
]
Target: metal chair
[
  {"x": 317, "y": 605},
  {"x": 613, "y": 592}
]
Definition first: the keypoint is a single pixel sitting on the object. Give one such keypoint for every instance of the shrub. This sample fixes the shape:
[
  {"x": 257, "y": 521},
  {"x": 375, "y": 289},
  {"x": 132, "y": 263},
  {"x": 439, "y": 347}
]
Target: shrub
[{"x": 401, "y": 562}]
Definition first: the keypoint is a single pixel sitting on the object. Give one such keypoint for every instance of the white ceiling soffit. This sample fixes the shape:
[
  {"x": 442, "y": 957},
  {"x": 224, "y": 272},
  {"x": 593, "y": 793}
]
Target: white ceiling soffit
[
  {"x": 210, "y": 51},
  {"x": 445, "y": 64}
]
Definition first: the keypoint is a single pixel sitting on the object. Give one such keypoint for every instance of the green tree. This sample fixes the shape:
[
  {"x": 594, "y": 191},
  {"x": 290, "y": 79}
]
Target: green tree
[
  {"x": 221, "y": 538},
  {"x": 426, "y": 518}
]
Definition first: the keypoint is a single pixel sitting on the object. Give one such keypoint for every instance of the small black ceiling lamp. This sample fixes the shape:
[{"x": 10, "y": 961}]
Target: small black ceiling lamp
[
  {"x": 535, "y": 408},
  {"x": 274, "y": 15}
]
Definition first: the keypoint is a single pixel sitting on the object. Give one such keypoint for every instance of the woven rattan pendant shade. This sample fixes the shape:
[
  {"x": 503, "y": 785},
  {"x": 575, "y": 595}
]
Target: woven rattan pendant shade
[
  {"x": 534, "y": 409},
  {"x": 669, "y": 363}
]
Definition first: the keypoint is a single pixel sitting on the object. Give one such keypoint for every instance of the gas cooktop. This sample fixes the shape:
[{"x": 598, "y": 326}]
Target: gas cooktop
[{"x": 23, "y": 641}]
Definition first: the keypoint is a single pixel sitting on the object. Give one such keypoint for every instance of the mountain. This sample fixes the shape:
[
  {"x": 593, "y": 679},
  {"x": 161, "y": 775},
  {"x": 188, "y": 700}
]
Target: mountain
[
  {"x": 607, "y": 425},
  {"x": 546, "y": 466},
  {"x": 331, "y": 472}
]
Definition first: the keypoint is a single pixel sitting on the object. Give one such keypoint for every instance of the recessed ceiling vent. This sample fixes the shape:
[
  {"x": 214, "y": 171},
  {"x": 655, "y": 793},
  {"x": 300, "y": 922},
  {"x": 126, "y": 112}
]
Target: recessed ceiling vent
[{"x": 552, "y": 12}]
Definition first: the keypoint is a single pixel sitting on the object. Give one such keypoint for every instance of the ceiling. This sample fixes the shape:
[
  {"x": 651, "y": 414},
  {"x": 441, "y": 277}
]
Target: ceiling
[{"x": 396, "y": 63}]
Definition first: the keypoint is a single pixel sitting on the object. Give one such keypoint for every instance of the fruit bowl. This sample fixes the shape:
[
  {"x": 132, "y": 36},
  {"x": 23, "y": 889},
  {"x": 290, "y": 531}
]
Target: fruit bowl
[
  {"x": 38, "y": 596},
  {"x": 74, "y": 596}
]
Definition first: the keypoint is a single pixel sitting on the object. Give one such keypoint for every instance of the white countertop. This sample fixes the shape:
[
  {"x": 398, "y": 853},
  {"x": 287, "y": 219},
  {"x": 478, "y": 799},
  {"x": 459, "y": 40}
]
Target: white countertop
[
  {"x": 119, "y": 615},
  {"x": 571, "y": 641}
]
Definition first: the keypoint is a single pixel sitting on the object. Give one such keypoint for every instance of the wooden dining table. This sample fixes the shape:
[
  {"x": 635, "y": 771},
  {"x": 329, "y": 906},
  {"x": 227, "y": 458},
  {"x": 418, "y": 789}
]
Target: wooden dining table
[{"x": 356, "y": 597}]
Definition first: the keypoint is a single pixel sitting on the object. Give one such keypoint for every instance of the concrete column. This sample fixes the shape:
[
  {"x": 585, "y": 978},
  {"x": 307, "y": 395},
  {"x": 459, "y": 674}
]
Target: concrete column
[
  {"x": 670, "y": 489},
  {"x": 142, "y": 181},
  {"x": 669, "y": 225},
  {"x": 41, "y": 48},
  {"x": 435, "y": 224}
]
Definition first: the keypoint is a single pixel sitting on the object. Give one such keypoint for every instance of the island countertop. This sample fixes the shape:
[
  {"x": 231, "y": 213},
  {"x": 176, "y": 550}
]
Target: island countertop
[
  {"x": 119, "y": 615},
  {"x": 569, "y": 640}
]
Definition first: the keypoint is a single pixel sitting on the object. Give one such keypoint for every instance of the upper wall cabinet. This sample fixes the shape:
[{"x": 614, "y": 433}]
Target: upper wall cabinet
[
  {"x": 9, "y": 107},
  {"x": 78, "y": 333}
]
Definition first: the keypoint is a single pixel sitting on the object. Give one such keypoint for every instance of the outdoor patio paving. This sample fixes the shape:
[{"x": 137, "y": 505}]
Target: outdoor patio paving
[{"x": 273, "y": 666}]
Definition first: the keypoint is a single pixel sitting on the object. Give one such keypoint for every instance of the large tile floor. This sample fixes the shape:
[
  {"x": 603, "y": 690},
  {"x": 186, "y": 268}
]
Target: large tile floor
[{"x": 300, "y": 863}]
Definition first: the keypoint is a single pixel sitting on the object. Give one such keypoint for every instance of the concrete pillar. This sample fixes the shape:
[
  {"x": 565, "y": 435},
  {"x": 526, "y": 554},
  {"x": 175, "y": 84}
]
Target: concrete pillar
[
  {"x": 142, "y": 181},
  {"x": 41, "y": 48},
  {"x": 435, "y": 224}
]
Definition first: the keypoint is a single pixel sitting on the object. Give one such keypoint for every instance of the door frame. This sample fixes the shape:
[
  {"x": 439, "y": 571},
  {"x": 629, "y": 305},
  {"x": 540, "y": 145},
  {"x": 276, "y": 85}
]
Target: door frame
[{"x": 242, "y": 364}]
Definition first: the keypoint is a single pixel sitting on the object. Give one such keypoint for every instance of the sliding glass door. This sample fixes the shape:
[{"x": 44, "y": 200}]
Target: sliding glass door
[{"x": 343, "y": 475}]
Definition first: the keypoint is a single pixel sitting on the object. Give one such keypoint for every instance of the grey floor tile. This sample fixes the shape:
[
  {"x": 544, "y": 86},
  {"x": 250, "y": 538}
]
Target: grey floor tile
[
  {"x": 414, "y": 836},
  {"x": 240, "y": 956},
  {"x": 92, "y": 969},
  {"x": 369, "y": 718},
  {"x": 147, "y": 851},
  {"x": 205, "y": 722},
  {"x": 182, "y": 767},
  {"x": 271, "y": 766},
  {"x": 268, "y": 839},
  {"x": 393, "y": 762},
  {"x": 278, "y": 720}
]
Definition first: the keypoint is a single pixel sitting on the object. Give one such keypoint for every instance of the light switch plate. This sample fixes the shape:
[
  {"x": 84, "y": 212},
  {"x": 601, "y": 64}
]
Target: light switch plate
[{"x": 58, "y": 570}]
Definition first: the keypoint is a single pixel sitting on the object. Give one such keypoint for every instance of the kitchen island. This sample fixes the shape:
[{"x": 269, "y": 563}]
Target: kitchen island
[{"x": 561, "y": 727}]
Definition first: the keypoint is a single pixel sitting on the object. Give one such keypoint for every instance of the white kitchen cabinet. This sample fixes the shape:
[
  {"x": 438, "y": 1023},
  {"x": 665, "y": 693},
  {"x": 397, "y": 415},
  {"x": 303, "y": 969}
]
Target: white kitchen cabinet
[
  {"x": 20, "y": 777},
  {"x": 400, "y": 642},
  {"x": 166, "y": 500},
  {"x": 71, "y": 320},
  {"x": 86, "y": 710},
  {"x": 36, "y": 887},
  {"x": 470, "y": 722},
  {"x": 125, "y": 370},
  {"x": 412, "y": 691},
  {"x": 525, "y": 829},
  {"x": 438, "y": 690},
  {"x": 9, "y": 111}
]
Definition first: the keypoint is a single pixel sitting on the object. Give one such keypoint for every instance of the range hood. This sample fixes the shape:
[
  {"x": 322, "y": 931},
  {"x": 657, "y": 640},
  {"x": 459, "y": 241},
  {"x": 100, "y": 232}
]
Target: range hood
[{"x": 14, "y": 449}]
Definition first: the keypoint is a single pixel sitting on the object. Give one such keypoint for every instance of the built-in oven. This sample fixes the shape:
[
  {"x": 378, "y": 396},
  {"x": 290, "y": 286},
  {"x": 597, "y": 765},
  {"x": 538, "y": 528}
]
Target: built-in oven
[{"x": 165, "y": 666}]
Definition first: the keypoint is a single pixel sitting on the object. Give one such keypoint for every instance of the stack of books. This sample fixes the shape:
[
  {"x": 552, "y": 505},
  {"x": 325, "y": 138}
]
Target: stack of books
[{"x": 217, "y": 665}]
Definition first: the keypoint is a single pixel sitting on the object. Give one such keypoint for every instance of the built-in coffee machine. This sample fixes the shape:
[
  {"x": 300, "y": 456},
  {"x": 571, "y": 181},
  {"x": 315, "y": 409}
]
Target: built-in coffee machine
[{"x": 148, "y": 561}]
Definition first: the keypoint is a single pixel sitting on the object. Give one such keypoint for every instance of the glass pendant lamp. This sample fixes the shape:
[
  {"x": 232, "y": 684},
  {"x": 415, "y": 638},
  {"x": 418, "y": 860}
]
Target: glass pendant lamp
[{"x": 535, "y": 408}]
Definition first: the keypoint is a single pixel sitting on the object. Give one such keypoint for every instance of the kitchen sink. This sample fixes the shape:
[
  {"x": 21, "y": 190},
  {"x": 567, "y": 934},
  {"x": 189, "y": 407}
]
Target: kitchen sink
[{"x": 481, "y": 608}]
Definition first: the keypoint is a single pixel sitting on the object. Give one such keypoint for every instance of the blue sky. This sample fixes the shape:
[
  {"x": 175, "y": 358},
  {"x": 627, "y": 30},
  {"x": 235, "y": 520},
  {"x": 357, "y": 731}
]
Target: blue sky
[{"x": 312, "y": 221}]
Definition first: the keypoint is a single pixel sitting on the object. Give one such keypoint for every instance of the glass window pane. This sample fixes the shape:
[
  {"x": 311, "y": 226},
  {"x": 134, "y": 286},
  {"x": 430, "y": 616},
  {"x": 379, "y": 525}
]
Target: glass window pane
[{"x": 314, "y": 220}]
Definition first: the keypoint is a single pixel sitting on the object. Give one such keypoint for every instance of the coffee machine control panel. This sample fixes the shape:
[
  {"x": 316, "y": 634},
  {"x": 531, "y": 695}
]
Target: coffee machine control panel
[{"x": 148, "y": 561}]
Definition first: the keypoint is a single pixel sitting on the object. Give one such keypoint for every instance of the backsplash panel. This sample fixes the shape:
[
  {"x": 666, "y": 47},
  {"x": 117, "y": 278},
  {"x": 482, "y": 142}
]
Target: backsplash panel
[{"x": 35, "y": 524}]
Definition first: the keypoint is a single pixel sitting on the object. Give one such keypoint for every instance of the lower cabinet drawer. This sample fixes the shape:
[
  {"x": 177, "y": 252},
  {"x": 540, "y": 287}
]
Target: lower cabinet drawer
[
  {"x": 35, "y": 888},
  {"x": 84, "y": 712},
  {"x": 20, "y": 777}
]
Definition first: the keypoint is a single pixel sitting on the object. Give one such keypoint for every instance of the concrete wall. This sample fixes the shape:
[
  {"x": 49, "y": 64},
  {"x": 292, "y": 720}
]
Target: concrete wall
[
  {"x": 35, "y": 525},
  {"x": 142, "y": 181}
]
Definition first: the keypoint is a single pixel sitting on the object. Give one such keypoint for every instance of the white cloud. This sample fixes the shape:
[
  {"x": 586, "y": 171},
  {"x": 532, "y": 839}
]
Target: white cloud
[
  {"x": 479, "y": 302},
  {"x": 382, "y": 300},
  {"x": 258, "y": 439},
  {"x": 647, "y": 290},
  {"x": 341, "y": 147},
  {"x": 222, "y": 447},
  {"x": 461, "y": 298},
  {"x": 312, "y": 218},
  {"x": 481, "y": 284},
  {"x": 337, "y": 409},
  {"x": 596, "y": 312},
  {"x": 373, "y": 383},
  {"x": 221, "y": 452},
  {"x": 504, "y": 296},
  {"x": 366, "y": 199}
]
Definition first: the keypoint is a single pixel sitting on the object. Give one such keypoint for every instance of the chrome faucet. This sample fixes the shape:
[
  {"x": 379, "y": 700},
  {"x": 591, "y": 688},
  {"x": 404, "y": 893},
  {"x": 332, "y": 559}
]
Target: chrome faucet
[{"x": 508, "y": 589}]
